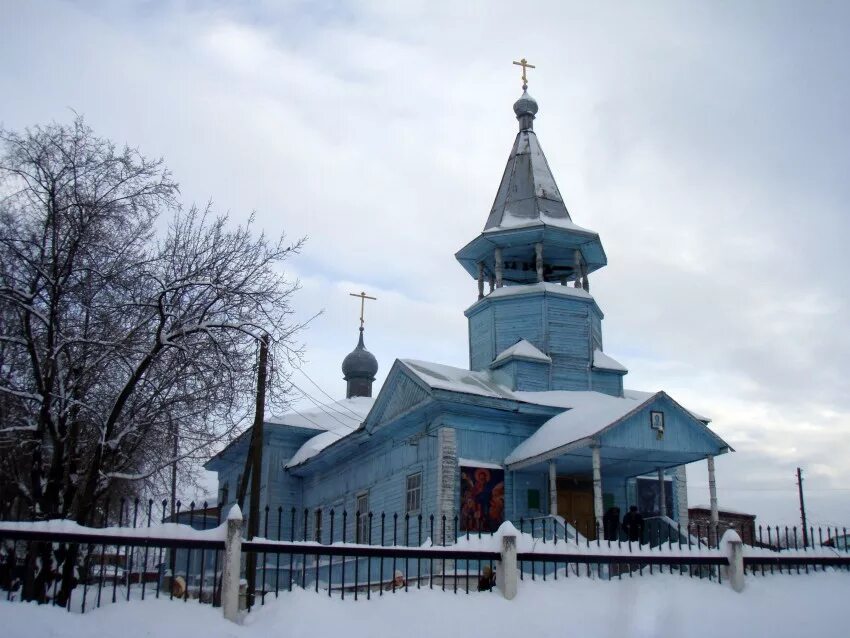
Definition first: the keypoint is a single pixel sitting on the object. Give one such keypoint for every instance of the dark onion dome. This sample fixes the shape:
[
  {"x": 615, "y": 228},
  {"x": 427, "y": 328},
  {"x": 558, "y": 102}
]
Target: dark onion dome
[
  {"x": 360, "y": 363},
  {"x": 525, "y": 105}
]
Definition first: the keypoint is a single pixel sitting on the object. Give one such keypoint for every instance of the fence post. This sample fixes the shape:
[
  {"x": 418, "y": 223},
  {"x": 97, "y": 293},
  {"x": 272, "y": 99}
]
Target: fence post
[
  {"x": 734, "y": 549},
  {"x": 506, "y": 573},
  {"x": 231, "y": 568}
]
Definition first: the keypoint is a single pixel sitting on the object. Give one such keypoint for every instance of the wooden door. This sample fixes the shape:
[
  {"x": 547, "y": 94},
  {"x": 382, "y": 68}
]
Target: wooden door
[{"x": 575, "y": 504}]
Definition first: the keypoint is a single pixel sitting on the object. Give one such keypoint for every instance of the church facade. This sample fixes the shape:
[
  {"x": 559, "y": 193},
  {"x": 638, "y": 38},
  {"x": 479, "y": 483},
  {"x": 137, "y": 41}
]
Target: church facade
[{"x": 540, "y": 425}]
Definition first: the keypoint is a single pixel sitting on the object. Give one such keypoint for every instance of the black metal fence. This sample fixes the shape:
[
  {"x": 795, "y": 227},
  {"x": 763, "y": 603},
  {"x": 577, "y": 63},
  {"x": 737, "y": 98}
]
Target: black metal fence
[
  {"x": 132, "y": 553},
  {"x": 117, "y": 555}
]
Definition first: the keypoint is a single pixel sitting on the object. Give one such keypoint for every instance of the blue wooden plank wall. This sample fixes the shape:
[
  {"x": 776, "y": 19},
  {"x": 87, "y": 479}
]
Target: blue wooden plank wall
[
  {"x": 568, "y": 329},
  {"x": 518, "y": 318},
  {"x": 380, "y": 472},
  {"x": 607, "y": 382},
  {"x": 531, "y": 376},
  {"x": 481, "y": 340},
  {"x": 679, "y": 433},
  {"x": 522, "y": 484},
  {"x": 277, "y": 488}
]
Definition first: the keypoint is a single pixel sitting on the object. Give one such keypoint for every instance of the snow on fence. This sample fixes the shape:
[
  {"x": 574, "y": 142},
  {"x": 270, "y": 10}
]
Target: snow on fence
[{"x": 81, "y": 567}]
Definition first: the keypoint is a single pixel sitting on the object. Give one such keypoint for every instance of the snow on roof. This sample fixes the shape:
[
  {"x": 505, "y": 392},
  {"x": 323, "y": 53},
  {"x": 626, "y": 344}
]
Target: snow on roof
[
  {"x": 523, "y": 349},
  {"x": 474, "y": 463},
  {"x": 453, "y": 379},
  {"x": 327, "y": 416},
  {"x": 443, "y": 377},
  {"x": 543, "y": 286},
  {"x": 588, "y": 413},
  {"x": 514, "y": 221},
  {"x": 315, "y": 445},
  {"x": 604, "y": 362},
  {"x": 338, "y": 419}
]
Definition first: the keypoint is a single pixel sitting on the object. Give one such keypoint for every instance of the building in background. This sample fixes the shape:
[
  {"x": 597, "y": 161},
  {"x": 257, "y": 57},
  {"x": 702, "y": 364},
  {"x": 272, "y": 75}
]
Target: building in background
[{"x": 744, "y": 524}]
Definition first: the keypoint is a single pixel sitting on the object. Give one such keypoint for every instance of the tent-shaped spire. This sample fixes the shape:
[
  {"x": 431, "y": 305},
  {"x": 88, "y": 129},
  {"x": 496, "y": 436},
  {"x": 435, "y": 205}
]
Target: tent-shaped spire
[
  {"x": 528, "y": 191},
  {"x": 529, "y": 236}
]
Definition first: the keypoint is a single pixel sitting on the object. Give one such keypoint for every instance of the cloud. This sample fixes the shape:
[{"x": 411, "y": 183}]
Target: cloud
[{"x": 705, "y": 143}]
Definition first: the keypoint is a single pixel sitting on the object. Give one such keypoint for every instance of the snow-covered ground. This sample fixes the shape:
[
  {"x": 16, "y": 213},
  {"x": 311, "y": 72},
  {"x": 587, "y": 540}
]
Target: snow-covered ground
[{"x": 778, "y": 606}]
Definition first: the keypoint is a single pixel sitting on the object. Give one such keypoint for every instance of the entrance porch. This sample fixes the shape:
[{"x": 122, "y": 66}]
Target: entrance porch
[{"x": 636, "y": 459}]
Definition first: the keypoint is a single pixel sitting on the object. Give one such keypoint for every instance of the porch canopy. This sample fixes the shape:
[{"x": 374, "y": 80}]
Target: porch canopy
[
  {"x": 631, "y": 438},
  {"x": 620, "y": 438}
]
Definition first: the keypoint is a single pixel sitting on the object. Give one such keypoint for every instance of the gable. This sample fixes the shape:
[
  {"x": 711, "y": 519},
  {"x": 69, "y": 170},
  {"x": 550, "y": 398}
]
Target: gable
[
  {"x": 400, "y": 393},
  {"x": 682, "y": 431}
]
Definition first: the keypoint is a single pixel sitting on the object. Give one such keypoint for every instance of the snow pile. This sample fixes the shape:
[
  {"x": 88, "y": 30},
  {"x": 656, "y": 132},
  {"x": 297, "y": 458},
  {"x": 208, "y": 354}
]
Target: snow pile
[
  {"x": 166, "y": 531},
  {"x": 668, "y": 605}
]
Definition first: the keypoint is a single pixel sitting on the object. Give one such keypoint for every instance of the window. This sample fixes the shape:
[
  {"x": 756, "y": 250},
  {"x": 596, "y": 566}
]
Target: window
[
  {"x": 362, "y": 521},
  {"x": 225, "y": 493},
  {"x": 533, "y": 499},
  {"x": 414, "y": 492}
]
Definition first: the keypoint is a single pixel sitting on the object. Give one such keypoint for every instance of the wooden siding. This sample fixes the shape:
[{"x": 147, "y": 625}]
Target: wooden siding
[
  {"x": 532, "y": 376},
  {"x": 378, "y": 467},
  {"x": 481, "y": 340},
  {"x": 522, "y": 483},
  {"x": 683, "y": 434},
  {"x": 518, "y": 318},
  {"x": 568, "y": 329},
  {"x": 406, "y": 394},
  {"x": 277, "y": 488},
  {"x": 491, "y": 441},
  {"x": 607, "y": 382}
]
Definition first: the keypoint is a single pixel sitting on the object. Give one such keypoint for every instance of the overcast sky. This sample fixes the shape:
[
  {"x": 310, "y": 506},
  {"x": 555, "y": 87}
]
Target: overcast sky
[{"x": 707, "y": 143}]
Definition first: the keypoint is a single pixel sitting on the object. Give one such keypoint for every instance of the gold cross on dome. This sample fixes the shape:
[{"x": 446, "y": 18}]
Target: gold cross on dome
[
  {"x": 525, "y": 65},
  {"x": 363, "y": 297}
]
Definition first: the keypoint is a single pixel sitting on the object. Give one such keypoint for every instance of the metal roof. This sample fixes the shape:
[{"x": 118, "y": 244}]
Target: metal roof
[{"x": 528, "y": 190}]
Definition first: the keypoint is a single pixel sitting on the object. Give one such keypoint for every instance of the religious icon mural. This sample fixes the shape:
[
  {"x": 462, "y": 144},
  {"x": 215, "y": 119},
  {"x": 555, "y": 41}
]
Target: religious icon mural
[
  {"x": 482, "y": 498},
  {"x": 656, "y": 422}
]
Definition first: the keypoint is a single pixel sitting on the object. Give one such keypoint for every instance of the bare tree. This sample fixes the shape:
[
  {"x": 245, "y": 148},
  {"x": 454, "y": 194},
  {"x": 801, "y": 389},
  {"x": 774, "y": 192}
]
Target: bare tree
[{"x": 112, "y": 333}]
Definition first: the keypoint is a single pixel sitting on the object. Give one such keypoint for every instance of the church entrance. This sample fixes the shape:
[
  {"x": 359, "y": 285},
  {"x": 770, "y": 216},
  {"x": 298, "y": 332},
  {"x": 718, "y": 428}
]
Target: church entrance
[{"x": 575, "y": 504}]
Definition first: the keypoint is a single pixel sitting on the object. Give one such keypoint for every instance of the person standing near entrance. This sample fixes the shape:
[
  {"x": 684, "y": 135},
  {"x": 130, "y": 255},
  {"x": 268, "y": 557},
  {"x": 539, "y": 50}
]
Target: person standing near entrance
[
  {"x": 633, "y": 524},
  {"x": 611, "y": 524}
]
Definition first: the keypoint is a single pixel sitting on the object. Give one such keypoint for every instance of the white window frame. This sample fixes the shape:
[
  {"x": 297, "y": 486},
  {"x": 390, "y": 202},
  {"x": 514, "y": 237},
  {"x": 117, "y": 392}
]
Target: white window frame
[
  {"x": 413, "y": 494},
  {"x": 361, "y": 530}
]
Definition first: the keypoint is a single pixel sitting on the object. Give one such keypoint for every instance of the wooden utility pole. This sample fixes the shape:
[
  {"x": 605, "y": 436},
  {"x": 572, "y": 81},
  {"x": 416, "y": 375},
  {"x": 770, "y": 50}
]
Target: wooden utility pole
[
  {"x": 254, "y": 466},
  {"x": 802, "y": 507}
]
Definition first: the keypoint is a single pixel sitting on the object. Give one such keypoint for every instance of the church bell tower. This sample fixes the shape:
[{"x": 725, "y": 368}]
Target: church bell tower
[{"x": 535, "y": 323}]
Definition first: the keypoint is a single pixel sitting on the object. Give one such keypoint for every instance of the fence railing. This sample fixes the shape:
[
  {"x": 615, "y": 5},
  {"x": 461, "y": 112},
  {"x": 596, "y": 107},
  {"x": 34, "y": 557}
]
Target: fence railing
[{"x": 183, "y": 554}]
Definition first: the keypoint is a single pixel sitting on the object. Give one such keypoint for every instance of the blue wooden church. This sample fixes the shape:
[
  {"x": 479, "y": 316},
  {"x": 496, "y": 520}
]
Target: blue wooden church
[{"x": 539, "y": 426}]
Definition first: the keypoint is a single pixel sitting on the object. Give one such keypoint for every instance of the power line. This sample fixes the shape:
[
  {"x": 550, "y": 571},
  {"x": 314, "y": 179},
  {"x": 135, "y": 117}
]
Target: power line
[
  {"x": 309, "y": 378},
  {"x": 304, "y": 416},
  {"x": 322, "y": 406}
]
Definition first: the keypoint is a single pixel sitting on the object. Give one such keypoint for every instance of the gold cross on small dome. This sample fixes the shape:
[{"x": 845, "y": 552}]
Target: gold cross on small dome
[
  {"x": 363, "y": 297},
  {"x": 525, "y": 65}
]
